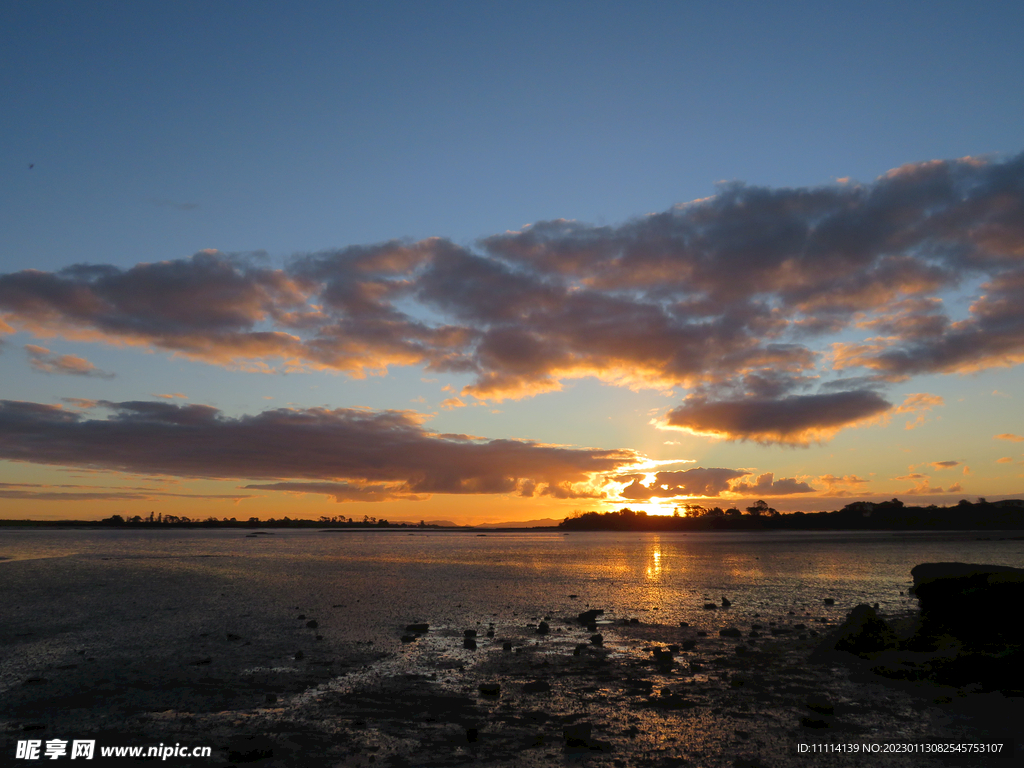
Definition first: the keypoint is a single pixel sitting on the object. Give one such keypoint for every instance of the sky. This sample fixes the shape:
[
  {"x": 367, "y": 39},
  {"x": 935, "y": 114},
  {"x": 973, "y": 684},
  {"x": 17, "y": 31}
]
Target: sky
[{"x": 496, "y": 262}]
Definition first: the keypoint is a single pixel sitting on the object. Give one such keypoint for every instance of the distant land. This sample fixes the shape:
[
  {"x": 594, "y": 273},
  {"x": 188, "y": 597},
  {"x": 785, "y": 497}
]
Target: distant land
[{"x": 1005, "y": 514}]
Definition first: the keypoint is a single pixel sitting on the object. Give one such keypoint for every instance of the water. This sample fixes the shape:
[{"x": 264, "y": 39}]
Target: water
[{"x": 118, "y": 591}]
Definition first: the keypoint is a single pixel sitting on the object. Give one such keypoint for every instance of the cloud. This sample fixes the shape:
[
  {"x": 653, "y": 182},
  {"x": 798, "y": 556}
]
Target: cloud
[
  {"x": 741, "y": 294},
  {"x": 688, "y": 482},
  {"x": 846, "y": 485},
  {"x": 375, "y": 454},
  {"x": 944, "y": 464},
  {"x": 1009, "y": 436},
  {"x": 766, "y": 485},
  {"x": 919, "y": 403},
  {"x": 44, "y": 361},
  {"x": 792, "y": 420},
  {"x": 1005, "y": 460}
]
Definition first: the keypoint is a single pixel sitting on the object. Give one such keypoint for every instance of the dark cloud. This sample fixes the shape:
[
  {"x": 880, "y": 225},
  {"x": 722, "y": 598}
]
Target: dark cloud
[
  {"x": 370, "y": 454},
  {"x": 767, "y": 485},
  {"x": 793, "y": 420},
  {"x": 688, "y": 482},
  {"x": 735, "y": 297}
]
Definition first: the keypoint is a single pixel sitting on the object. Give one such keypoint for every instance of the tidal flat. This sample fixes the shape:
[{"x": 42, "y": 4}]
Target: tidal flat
[{"x": 295, "y": 648}]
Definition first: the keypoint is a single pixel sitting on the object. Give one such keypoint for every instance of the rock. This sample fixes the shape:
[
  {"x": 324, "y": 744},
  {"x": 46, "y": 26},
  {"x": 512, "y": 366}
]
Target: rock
[
  {"x": 588, "y": 617},
  {"x": 710, "y": 607},
  {"x": 271, "y": 698},
  {"x": 726, "y": 603},
  {"x": 819, "y": 704},
  {"x": 312, "y": 624},
  {"x": 469, "y": 633},
  {"x": 829, "y": 601},
  {"x": 490, "y": 689},
  {"x": 863, "y": 634},
  {"x": 472, "y": 734},
  {"x": 543, "y": 628},
  {"x": 971, "y": 602},
  {"x": 537, "y": 686},
  {"x": 490, "y": 633},
  {"x": 730, "y": 632},
  {"x": 634, "y": 622},
  {"x": 232, "y": 636},
  {"x": 506, "y": 646},
  {"x": 421, "y": 628},
  {"x": 469, "y": 644},
  {"x": 689, "y": 645},
  {"x": 597, "y": 639},
  {"x": 684, "y": 623},
  {"x": 299, "y": 656},
  {"x": 409, "y": 638}
]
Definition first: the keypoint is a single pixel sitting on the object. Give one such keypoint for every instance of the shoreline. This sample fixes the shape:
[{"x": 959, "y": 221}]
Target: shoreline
[{"x": 727, "y": 701}]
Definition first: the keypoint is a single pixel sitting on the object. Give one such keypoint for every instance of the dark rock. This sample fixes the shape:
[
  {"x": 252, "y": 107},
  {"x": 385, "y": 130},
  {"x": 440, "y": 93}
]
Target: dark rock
[
  {"x": 409, "y": 638},
  {"x": 730, "y": 632},
  {"x": 597, "y": 639},
  {"x": 726, "y": 603},
  {"x": 968, "y": 601},
  {"x": 421, "y": 628},
  {"x": 232, "y": 636},
  {"x": 312, "y": 624},
  {"x": 271, "y": 698},
  {"x": 710, "y": 607},
  {"x": 506, "y": 646},
  {"x": 813, "y": 722},
  {"x": 490, "y": 689},
  {"x": 829, "y": 601},
  {"x": 469, "y": 633},
  {"x": 543, "y": 628},
  {"x": 819, "y": 704},
  {"x": 689, "y": 645},
  {"x": 469, "y": 644},
  {"x": 537, "y": 686},
  {"x": 634, "y": 622},
  {"x": 472, "y": 734},
  {"x": 490, "y": 633},
  {"x": 588, "y": 617},
  {"x": 299, "y": 656},
  {"x": 684, "y": 623},
  {"x": 862, "y": 634}
]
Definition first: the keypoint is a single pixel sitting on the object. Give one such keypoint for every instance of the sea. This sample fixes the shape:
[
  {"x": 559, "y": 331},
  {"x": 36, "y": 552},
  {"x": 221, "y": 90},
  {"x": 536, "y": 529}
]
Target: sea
[{"x": 381, "y": 580}]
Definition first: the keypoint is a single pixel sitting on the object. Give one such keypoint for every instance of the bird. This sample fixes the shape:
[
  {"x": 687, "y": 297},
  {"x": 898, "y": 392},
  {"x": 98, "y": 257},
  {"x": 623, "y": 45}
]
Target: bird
[{"x": 31, "y": 166}]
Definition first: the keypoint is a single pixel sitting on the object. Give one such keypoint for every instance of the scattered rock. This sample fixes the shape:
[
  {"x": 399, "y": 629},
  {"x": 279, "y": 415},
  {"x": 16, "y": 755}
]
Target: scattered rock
[{"x": 863, "y": 634}]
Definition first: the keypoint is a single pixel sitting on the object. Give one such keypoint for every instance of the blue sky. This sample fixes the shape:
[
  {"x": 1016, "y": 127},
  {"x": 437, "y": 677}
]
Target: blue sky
[{"x": 270, "y": 132}]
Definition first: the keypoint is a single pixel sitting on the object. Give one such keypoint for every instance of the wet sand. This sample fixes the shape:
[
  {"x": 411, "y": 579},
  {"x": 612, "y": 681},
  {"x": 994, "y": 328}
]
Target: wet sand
[{"x": 126, "y": 655}]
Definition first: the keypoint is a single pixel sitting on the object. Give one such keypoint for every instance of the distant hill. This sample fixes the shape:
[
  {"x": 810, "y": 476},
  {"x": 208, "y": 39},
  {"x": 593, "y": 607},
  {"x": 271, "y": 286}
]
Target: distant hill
[{"x": 547, "y": 522}]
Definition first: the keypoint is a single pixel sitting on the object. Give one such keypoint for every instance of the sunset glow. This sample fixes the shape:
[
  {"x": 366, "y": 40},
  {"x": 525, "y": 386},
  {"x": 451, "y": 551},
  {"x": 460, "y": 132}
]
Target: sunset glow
[{"x": 321, "y": 298}]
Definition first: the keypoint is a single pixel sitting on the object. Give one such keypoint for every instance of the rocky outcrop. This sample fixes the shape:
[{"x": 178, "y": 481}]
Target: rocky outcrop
[
  {"x": 972, "y": 603},
  {"x": 863, "y": 634}
]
